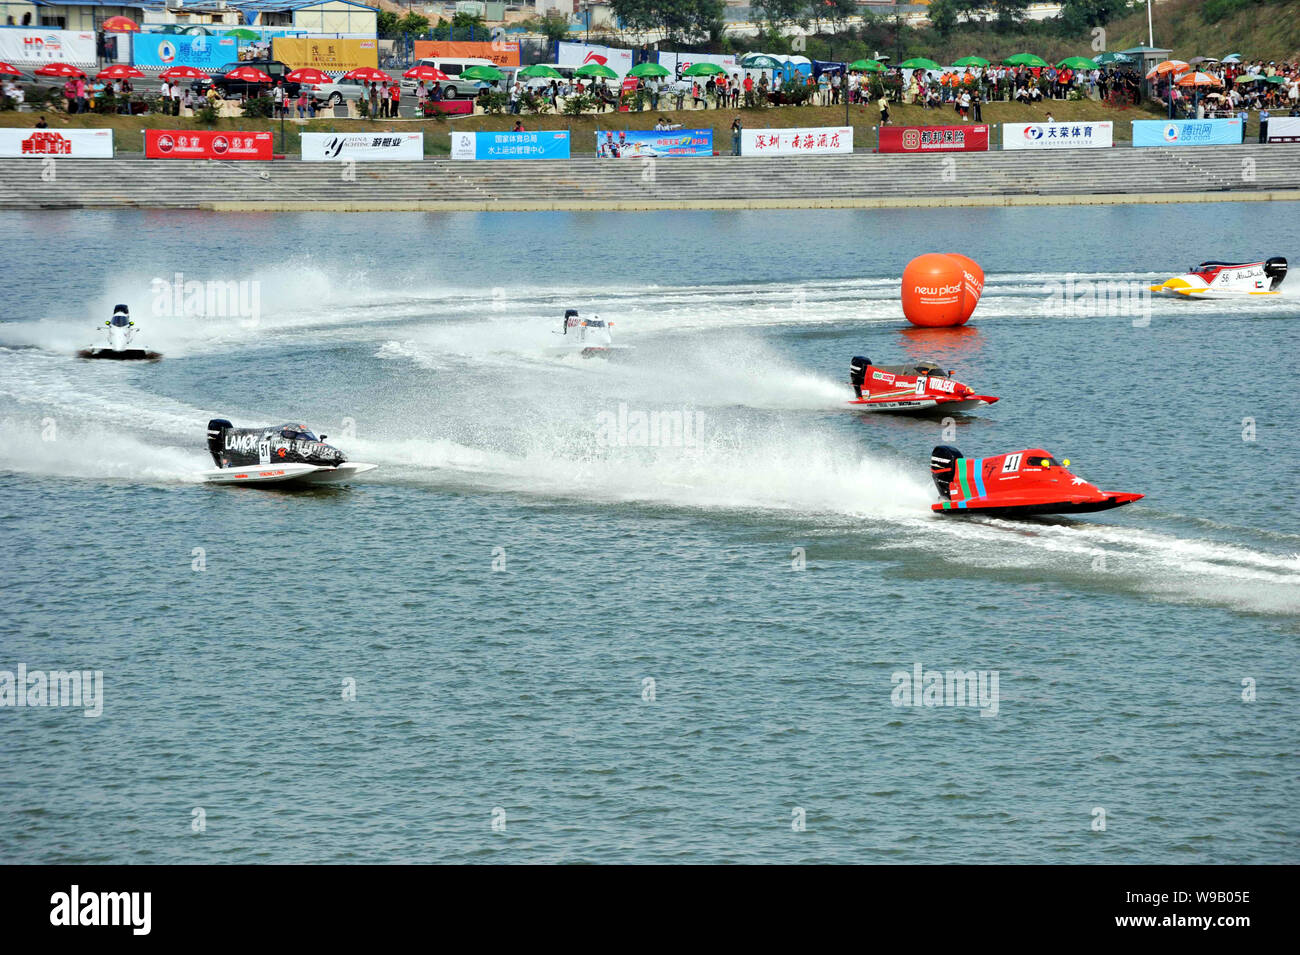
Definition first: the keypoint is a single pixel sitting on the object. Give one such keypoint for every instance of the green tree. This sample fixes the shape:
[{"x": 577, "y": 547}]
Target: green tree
[
  {"x": 386, "y": 23},
  {"x": 680, "y": 20},
  {"x": 413, "y": 23},
  {"x": 943, "y": 17},
  {"x": 1085, "y": 14}
]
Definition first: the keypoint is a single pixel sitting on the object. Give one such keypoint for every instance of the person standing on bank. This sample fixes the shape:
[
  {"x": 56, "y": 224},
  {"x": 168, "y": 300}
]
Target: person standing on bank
[{"x": 736, "y": 127}]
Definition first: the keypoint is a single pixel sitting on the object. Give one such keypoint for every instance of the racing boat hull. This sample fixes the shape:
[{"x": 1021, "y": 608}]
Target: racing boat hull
[
  {"x": 122, "y": 354},
  {"x": 922, "y": 405},
  {"x": 920, "y": 388},
  {"x": 1017, "y": 484},
  {"x": 264, "y": 475}
]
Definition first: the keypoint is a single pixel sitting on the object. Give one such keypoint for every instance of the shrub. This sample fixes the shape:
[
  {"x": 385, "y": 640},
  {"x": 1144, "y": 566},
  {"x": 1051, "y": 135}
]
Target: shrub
[
  {"x": 259, "y": 106},
  {"x": 578, "y": 103},
  {"x": 206, "y": 114},
  {"x": 494, "y": 102}
]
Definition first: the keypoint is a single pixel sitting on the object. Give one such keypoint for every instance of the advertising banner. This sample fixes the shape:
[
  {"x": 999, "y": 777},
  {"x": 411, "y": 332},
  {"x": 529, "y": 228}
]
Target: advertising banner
[
  {"x": 934, "y": 139},
  {"x": 580, "y": 54},
  {"x": 47, "y": 46},
  {"x": 1187, "y": 132},
  {"x": 64, "y": 144},
  {"x": 363, "y": 147},
  {"x": 643, "y": 143},
  {"x": 330, "y": 56},
  {"x": 205, "y": 144},
  {"x": 546, "y": 144},
  {"x": 1284, "y": 129},
  {"x": 675, "y": 63},
  {"x": 796, "y": 142},
  {"x": 1057, "y": 135},
  {"x": 162, "y": 51},
  {"x": 501, "y": 53}
]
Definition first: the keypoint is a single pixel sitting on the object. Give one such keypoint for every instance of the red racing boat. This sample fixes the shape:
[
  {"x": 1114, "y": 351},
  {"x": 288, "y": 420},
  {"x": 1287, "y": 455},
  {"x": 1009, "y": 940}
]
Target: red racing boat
[
  {"x": 920, "y": 387},
  {"x": 1016, "y": 484}
]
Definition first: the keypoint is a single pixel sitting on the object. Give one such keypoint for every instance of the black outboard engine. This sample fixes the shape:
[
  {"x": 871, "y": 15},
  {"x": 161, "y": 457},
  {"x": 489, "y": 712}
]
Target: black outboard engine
[
  {"x": 858, "y": 373},
  {"x": 943, "y": 468},
  {"x": 568, "y": 314},
  {"x": 217, "y": 428},
  {"x": 1275, "y": 268}
]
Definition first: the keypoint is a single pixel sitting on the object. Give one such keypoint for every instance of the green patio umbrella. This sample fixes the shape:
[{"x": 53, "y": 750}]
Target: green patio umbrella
[
  {"x": 920, "y": 63},
  {"x": 761, "y": 61},
  {"x": 703, "y": 69},
  {"x": 867, "y": 66},
  {"x": 1276, "y": 80},
  {"x": 241, "y": 34},
  {"x": 972, "y": 61},
  {"x": 541, "y": 70},
  {"x": 1025, "y": 59},
  {"x": 595, "y": 70},
  {"x": 648, "y": 71},
  {"x": 1077, "y": 63},
  {"x": 486, "y": 74},
  {"x": 1106, "y": 59}
]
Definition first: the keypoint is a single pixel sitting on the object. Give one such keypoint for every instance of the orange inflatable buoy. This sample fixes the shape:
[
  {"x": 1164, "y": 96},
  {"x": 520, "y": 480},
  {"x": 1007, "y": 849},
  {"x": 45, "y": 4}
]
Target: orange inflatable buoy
[{"x": 941, "y": 289}]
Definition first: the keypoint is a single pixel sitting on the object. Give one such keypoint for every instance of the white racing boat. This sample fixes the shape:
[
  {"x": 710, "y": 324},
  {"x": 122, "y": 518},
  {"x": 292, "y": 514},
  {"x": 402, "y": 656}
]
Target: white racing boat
[
  {"x": 285, "y": 454},
  {"x": 121, "y": 331},
  {"x": 588, "y": 337},
  {"x": 1227, "y": 280}
]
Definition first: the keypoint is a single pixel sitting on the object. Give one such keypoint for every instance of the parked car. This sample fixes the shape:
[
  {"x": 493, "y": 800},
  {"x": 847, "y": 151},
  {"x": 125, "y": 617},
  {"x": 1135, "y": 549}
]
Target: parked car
[
  {"x": 454, "y": 87},
  {"x": 341, "y": 89},
  {"x": 231, "y": 89}
]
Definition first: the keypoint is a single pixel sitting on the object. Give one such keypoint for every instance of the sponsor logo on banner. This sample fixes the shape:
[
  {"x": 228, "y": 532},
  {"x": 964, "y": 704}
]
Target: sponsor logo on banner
[
  {"x": 642, "y": 143},
  {"x": 206, "y": 144},
  {"x": 68, "y": 143},
  {"x": 544, "y": 144},
  {"x": 47, "y": 46},
  {"x": 676, "y": 63},
  {"x": 500, "y": 52},
  {"x": 324, "y": 147},
  {"x": 580, "y": 54},
  {"x": 1284, "y": 129},
  {"x": 327, "y": 55},
  {"x": 202, "y": 52},
  {"x": 1187, "y": 132},
  {"x": 796, "y": 142},
  {"x": 1057, "y": 135},
  {"x": 924, "y": 139}
]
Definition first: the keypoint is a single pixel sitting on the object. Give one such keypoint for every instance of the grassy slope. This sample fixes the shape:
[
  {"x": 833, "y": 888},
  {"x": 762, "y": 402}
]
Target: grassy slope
[
  {"x": 1267, "y": 31},
  {"x": 128, "y": 136}
]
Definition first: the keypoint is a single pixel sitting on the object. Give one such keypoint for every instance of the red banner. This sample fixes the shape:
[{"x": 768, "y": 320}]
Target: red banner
[
  {"x": 205, "y": 144},
  {"x": 449, "y": 106},
  {"x": 934, "y": 139}
]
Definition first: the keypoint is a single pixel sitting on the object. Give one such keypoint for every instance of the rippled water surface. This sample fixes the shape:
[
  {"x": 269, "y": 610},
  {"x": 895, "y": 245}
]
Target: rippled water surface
[{"x": 507, "y": 584}]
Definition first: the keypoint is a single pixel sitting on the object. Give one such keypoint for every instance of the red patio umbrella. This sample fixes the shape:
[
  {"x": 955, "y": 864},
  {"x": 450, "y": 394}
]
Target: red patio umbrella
[
  {"x": 58, "y": 69},
  {"x": 368, "y": 74},
  {"x": 7, "y": 69},
  {"x": 309, "y": 75},
  {"x": 423, "y": 72},
  {"x": 119, "y": 71},
  {"x": 120, "y": 25},
  {"x": 183, "y": 73},
  {"x": 249, "y": 74}
]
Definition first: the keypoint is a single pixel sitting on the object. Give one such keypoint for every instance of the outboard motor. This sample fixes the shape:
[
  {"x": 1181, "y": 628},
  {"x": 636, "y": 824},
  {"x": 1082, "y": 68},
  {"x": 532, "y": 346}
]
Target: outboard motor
[
  {"x": 858, "y": 373},
  {"x": 217, "y": 428},
  {"x": 568, "y": 314},
  {"x": 943, "y": 468},
  {"x": 119, "y": 328},
  {"x": 1275, "y": 268}
]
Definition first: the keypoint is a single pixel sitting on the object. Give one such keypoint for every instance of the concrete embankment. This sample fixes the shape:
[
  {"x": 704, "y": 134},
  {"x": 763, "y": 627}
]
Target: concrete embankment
[{"x": 862, "y": 180}]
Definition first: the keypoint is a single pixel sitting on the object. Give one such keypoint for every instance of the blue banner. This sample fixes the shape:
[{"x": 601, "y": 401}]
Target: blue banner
[
  {"x": 641, "y": 143},
  {"x": 163, "y": 50},
  {"x": 1187, "y": 132},
  {"x": 548, "y": 144}
]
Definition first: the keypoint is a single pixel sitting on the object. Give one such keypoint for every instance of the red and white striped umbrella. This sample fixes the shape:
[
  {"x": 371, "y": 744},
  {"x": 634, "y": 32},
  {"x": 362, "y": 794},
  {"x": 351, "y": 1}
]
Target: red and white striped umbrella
[
  {"x": 183, "y": 73},
  {"x": 309, "y": 75},
  {"x": 7, "y": 69},
  {"x": 423, "y": 72},
  {"x": 367, "y": 74},
  {"x": 119, "y": 71},
  {"x": 249, "y": 74},
  {"x": 1197, "y": 78}
]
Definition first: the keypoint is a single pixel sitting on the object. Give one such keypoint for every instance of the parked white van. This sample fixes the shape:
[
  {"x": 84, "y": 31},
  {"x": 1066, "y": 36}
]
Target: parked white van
[{"x": 453, "y": 87}]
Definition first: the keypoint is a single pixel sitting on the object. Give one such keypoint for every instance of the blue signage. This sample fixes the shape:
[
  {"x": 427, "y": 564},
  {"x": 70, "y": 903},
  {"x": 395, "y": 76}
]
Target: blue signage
[
  {"x": 163, "y": 50},
  {"x": 539, "y": 145},
  {"x": 1187, "y": 132},
  {"x": 640, "y": 143}
]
